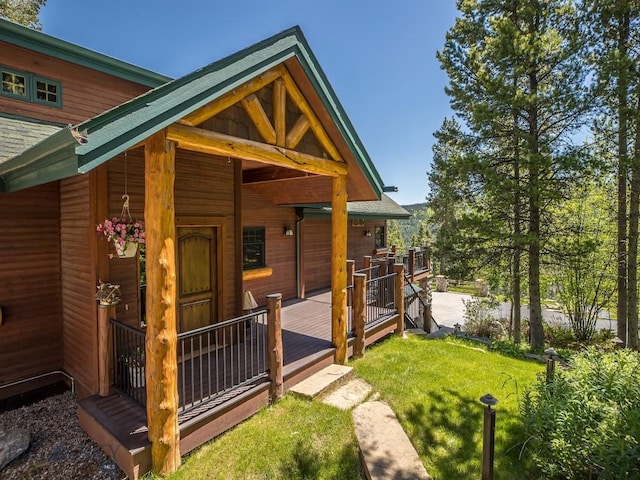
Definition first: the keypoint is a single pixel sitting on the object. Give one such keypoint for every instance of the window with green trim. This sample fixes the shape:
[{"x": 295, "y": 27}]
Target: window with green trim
[
  {"x": 14, "y": 84},
  {"x": 31, "y": 88}
]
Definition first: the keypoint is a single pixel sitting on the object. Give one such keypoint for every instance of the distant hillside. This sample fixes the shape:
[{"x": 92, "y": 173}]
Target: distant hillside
[
  {"x": 415, "y": 206},
  {"x": 411, "y": 226}
]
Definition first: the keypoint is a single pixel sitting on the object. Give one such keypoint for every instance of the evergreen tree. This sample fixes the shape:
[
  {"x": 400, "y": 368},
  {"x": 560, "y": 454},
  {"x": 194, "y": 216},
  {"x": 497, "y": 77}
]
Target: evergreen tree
[
  {"x": 24, "y": 12},
  {"x": 516, "y": 73}
]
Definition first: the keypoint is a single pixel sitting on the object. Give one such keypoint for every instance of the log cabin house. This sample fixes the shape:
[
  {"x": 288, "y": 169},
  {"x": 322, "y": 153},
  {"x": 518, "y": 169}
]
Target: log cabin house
[{"x": 241, "y": 172}]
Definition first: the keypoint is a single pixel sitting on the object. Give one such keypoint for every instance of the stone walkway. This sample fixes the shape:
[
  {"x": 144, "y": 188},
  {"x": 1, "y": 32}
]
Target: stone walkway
[{"x": 385, "y": 450}]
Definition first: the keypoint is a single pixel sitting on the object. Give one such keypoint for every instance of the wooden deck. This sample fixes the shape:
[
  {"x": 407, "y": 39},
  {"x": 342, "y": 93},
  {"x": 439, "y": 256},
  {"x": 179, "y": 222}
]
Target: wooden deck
[{"x": 118, "y": 424}]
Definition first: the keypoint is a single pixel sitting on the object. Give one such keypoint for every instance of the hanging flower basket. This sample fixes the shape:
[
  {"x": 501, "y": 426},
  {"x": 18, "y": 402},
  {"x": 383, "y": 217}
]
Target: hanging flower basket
[{"x": 124, "y": 232}]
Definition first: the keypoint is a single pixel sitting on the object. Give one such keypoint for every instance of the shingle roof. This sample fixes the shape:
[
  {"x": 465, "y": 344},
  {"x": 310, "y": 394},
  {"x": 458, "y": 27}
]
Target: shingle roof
[
  {"x": 18, "y": 134},
  {"x": 385, "y": 208}
]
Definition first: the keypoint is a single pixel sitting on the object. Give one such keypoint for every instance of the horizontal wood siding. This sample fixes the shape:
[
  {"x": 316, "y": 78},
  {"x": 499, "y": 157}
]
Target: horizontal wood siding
[
  {"x": 280, "y": 249},
  {"x": 78, "y": 240},
  {"x": 316, "y": 248},
  {"x": 359, "y": 245},
  {"x": 204, "y": 187},
  {"x": 85, "y": 92},
  {"x": 31, "y": 331}
]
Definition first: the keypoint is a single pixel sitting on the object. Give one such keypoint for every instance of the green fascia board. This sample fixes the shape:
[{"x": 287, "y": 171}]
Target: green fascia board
[
  {"x": 48, "y": 160},
  {"x": 28, "y": 38},
  {"x": 122, "y": 127}
]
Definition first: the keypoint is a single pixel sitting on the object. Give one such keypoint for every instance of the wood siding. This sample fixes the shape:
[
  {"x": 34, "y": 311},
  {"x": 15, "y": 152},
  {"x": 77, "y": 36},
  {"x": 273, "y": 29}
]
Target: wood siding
[
  {"x": 85, "y": 92},
  {"x": 280, "y": 250},
  {"x": 204, "y": 187},
  {"x": 78, "y": 241},
  {"x": 317, "y": 249},
  {"x": 31, "y": 330}
]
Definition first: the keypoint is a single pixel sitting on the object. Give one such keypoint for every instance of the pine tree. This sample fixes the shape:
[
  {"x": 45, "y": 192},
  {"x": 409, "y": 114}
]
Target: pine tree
[{"x": 24, "y": 12}]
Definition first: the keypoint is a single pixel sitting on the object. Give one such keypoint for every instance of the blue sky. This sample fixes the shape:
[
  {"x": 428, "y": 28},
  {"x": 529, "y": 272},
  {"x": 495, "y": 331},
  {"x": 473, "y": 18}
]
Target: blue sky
[{"x": 379, "y": 57}]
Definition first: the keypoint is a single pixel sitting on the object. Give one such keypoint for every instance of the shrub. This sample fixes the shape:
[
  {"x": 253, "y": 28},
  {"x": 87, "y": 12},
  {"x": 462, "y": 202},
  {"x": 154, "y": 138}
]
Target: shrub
[
  {"x": 479, "y": 321},
  {"x": 585, "y": 422}
]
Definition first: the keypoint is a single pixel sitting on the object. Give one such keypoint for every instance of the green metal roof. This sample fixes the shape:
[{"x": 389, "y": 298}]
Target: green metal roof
[
  {"x": 385, "y": 208},
  {"x": 117, "y": 130},
  {"x": 30, "y": 39}
]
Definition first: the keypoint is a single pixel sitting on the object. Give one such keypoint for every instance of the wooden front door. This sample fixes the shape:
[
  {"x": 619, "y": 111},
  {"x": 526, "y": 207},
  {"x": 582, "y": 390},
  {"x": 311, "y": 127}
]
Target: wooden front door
[{"x": 197, "y": 277}]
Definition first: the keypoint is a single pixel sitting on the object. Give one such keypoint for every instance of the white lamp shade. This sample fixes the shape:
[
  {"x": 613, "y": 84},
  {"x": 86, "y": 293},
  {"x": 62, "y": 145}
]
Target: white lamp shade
[{"x": 248, "y": 302}]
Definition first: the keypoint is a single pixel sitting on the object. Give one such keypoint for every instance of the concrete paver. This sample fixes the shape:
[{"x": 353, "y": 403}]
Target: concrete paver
[
  {"x": 349, "y": 395},
  {"x": 385, "y": 448},
  {"x": 321, "y": 381}
]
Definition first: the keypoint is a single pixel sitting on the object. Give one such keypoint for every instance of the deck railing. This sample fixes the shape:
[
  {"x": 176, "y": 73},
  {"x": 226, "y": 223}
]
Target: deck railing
[
  {"x": 128, "y": 361},
  {"x": 380, "y": 299},
  {"x": 212, "y": 361},
  {"x": 217, "y": 359}
]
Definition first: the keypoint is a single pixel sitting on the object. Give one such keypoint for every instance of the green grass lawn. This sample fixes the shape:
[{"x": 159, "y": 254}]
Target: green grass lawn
[
  {"x": 434, "y": 388},
  {"x": 295, "y": 439}
]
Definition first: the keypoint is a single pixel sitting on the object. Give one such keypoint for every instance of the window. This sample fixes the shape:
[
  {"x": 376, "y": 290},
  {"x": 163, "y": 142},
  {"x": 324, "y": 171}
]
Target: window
[
  {"x": 31, "y": 88},
  {"x": 253, "y": 240},
  {"x": 14, "y": 84},
  {"x": 379, "y": 236},
  {"x": 46, "y": 91}
]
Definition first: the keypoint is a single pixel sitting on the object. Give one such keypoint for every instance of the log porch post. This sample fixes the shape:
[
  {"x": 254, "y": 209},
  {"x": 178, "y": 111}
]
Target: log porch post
[
  {"x": 359, "y": 316},
  {"x": 161, "y": 339},
  {"x": 338, "y": 267},
  {"x": 399, "y": 271},
  {"x": 274, "y": 341}
]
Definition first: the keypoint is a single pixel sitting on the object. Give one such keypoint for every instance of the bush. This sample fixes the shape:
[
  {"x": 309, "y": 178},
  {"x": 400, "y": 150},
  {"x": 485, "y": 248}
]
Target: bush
[
  {"x": 585, "y": 422},
  {"x": 479, "y": 322}
]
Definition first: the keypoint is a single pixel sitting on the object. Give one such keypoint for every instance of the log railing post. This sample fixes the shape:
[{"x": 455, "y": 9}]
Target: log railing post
[
  {"x": 359, "y": 316},
  {"x": 274, "y": 342},
  {"x": 351, "y": 268},
  {"x": 412, "y": 264},
  {"x": 367, "y": 266},
  {"x": 399, "y": 294},
  {"x": 105, "y": 348}
]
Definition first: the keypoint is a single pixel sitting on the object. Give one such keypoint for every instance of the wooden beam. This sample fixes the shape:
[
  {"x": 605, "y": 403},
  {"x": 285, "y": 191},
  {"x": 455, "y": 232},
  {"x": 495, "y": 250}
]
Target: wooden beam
[
  {"x": 258, "y": 116},
  {"x": 398, "y": 269},
  {"x": 316, "y": 127},
  {"x": 297, "y": 132},
  {"x": 270, "y": 174},
  {"x": 161, "y": 336},
  {"x": 274, "y": 346},
  {"x": 280, "y": 111},
  {"x": 231, "y": 98},
  {"x": 214, "y": 143},
  {"x": 339, "y": 268}
]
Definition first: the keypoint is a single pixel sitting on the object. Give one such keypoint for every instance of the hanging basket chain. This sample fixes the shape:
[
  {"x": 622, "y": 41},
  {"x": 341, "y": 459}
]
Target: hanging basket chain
[{"x": 125, "y": 214}]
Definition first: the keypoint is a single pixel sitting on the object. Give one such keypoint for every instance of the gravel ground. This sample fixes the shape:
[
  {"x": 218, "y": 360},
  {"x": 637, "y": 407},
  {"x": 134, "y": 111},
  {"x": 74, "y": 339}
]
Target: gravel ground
[{"x": 59, "y": 448}]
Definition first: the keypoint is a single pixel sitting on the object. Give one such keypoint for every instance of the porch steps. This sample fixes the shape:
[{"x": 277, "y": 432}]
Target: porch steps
[{"x": 320, "y": 382}]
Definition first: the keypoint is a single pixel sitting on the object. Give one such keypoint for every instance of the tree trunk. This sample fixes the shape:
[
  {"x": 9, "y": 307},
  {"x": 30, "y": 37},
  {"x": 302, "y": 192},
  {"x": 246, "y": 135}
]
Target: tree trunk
[
  {"x": 623, "y": 35},
  {"x": 632, "y": 258}
]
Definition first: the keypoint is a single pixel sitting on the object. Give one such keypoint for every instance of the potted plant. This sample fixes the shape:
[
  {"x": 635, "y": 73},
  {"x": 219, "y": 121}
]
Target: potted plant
[
  {"x": 108, "y": 294},
  {"x": 125, "y": 235}
]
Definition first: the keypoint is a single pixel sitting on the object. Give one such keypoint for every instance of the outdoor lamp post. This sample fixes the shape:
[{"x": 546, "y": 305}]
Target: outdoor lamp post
[
  {"x": 551, "y": 363},
  {"x": 488, "y": 436}
]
